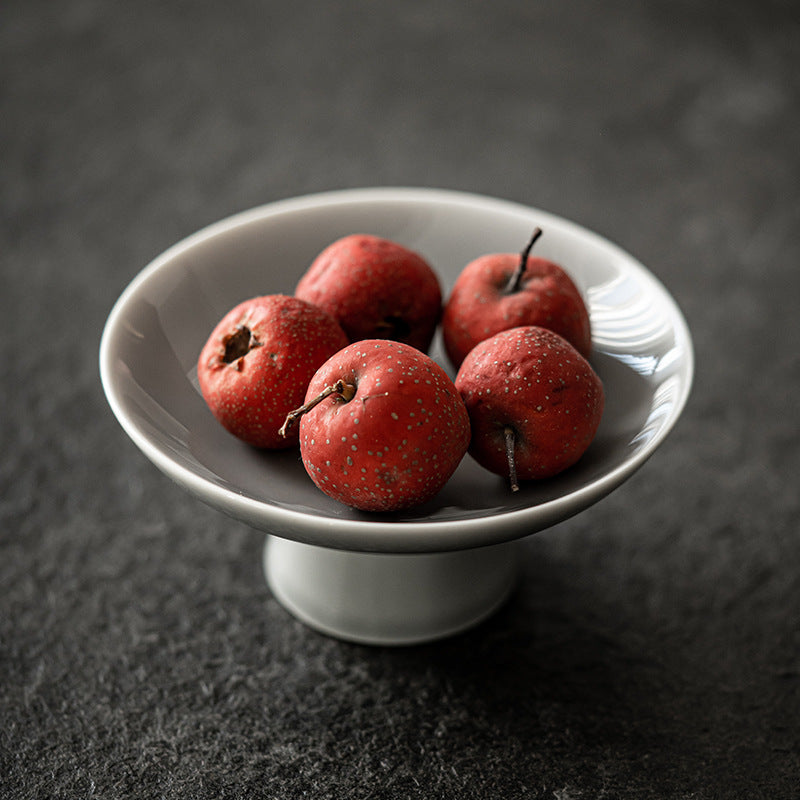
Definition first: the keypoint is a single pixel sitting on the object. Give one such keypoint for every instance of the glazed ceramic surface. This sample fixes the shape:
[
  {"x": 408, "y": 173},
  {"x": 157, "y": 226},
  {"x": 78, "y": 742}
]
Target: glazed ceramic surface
[{"x": 642, "y": 352}]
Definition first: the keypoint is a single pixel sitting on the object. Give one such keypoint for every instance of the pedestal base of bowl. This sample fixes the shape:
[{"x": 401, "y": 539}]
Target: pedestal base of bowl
[{"x": 389, "y": 599}]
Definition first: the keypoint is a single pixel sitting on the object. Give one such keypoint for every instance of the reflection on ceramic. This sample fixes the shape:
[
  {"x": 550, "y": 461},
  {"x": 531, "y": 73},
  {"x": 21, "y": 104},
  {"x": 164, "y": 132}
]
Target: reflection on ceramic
[{"x": 642, "y": 352}]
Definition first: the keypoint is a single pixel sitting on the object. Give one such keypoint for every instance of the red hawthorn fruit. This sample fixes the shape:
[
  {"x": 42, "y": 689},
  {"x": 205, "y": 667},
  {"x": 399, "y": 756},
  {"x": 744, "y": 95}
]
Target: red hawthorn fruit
[
  {"x": 533, "y": 400},
  {"x": 383, "y": 427},
  {"x": 375, "y": 289},
  {"x": 500, "y": 291},
  {"x": 256, "y": 365}
]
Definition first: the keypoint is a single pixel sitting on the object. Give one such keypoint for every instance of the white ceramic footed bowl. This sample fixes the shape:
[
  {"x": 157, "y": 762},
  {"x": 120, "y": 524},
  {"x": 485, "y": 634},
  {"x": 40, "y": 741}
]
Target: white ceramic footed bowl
[{"x": 642, "y": 352}]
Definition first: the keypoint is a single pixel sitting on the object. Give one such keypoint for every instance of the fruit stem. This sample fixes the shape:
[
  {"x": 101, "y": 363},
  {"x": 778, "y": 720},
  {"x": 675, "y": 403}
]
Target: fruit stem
[
  {"x": 345, "y": 390},
  {"x": 508, "y": 431},
  {"x": 516, "y": 279}
]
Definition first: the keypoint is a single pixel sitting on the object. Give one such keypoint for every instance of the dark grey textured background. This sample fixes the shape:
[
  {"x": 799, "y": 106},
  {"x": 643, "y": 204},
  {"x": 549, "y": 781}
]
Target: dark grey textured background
[{"x": 653, "y": 648}]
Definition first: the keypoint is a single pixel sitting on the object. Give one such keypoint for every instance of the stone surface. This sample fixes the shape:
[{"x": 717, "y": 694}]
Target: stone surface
[{"x": 652, "y": 650}]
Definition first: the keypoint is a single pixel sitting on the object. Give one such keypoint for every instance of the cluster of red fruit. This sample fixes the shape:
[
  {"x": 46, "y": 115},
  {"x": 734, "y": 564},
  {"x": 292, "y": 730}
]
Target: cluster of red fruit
[{"x": 342, "y": 369}]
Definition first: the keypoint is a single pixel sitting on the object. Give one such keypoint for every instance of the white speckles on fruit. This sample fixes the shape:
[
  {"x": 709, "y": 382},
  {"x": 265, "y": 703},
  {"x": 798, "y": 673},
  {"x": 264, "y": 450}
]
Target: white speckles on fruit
[
  {"x": 256, "y": 364},
  {"x": 418, "y": 412},
  {"x": 375, "y": 288},
  {"x": 564, "y": 392}
]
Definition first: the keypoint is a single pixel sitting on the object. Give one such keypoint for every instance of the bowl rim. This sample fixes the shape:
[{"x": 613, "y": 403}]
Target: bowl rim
[{"x": 349, "y": 533}]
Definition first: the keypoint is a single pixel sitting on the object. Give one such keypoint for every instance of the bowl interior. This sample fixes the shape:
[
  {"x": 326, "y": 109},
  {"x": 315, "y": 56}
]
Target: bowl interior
[{"x": 642, "y": 352}]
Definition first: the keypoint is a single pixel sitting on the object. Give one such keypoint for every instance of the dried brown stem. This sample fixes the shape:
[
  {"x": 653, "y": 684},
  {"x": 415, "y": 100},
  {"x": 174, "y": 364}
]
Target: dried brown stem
[
  {"x": 508, "y": 431},
  {"x": 345, "y": 390},
  {"x": 516, "y": 279}
]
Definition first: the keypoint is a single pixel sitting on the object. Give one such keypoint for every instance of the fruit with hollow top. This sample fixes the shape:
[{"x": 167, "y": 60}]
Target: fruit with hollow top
[{"x": 257, "y": 362}]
